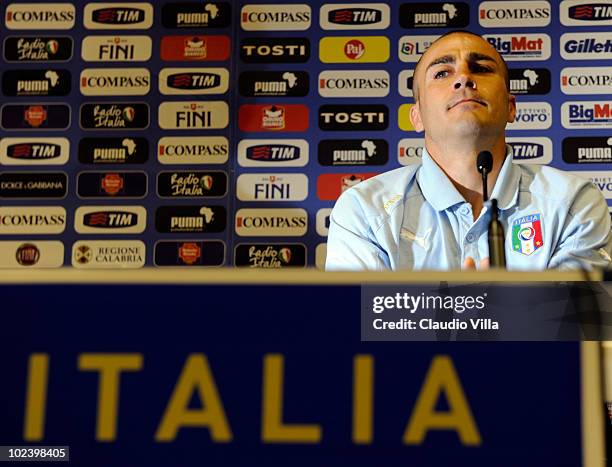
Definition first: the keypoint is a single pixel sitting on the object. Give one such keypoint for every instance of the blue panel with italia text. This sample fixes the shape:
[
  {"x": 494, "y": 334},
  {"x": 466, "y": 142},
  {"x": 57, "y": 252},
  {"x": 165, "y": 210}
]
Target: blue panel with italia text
[{"x": 268, "y": 375}]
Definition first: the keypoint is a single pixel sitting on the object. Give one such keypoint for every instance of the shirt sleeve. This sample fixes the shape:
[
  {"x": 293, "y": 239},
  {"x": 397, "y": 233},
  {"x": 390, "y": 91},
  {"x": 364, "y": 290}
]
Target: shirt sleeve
[
  {"x": 351, "y": 243},
  {"x": 586, "y": 239}
]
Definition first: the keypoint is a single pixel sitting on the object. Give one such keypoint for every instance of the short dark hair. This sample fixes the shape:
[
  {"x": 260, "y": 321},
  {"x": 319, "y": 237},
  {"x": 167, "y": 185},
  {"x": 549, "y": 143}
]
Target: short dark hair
[{"x": 458, "y": 31}]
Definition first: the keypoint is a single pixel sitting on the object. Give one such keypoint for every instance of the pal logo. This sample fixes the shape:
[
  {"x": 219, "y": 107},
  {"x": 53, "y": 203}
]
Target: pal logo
[{"x": 519, "y": 47}]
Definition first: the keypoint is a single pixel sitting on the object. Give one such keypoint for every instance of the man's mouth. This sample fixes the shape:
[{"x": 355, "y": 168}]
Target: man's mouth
[{"x": 466, "y": 100}]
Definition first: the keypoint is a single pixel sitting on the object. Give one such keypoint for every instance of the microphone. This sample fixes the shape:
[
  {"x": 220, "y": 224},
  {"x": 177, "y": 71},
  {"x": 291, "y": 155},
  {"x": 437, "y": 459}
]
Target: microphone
[
  {"x": 496, "y": 237},
  {"x": 484, "y": 164}
]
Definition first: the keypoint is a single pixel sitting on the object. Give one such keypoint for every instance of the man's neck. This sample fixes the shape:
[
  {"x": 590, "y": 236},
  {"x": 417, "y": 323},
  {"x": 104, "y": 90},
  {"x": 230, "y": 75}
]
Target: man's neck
[{"x": 459, "y": 164}]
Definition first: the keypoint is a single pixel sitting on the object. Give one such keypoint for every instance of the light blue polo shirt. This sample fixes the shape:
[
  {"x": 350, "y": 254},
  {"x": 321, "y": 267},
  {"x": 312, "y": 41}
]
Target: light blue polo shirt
[{"x": 414, "y": 218}]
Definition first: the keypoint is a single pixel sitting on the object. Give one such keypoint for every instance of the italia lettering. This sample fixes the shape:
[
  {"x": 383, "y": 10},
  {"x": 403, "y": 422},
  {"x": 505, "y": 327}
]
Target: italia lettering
[
  {"x": 588, "y": 46},
  {"x": 35, "y": 50},
  {"x": 116, "y": 52},
  {"x": 595, "y": 153},
  {"x": 109, "y": 118},
  {"x": 189, "y": 185},
  {"x": 264, "y": 258},
  {"x": 192, "y": 119},
  {"x": 275, "y": 50},
  {"x": 353, "y": 117}
]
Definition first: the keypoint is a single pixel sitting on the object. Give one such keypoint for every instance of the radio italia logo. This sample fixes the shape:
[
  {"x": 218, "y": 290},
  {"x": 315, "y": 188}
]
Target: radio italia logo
[
  {"x": 514, "y": 47},
  {"x": 37, "y": 49},
  {"x": 586, "y": 114}
]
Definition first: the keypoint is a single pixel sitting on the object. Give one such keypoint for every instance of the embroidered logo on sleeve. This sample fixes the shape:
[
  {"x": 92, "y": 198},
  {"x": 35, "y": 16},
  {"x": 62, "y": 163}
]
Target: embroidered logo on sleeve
[{"x": 527, "y": 234}]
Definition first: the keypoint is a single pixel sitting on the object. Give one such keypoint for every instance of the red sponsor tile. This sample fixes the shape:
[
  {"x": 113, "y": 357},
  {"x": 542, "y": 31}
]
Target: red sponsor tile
[
  {"x": 331, "y": 186},
  {"x": 195, "y": 48},
  {"x": 273, "y": 117}
]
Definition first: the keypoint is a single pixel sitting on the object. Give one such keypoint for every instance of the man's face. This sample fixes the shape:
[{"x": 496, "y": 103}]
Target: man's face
[{"x": 461, "y": 90}]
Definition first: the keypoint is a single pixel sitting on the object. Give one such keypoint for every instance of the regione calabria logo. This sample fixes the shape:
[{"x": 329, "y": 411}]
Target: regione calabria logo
[{"x": 527, "y": 234}]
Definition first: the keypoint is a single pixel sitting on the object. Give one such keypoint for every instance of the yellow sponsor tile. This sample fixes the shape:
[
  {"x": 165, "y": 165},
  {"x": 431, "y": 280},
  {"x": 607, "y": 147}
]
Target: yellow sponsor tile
[
  {"x": 354, "y": 49},
  {"x": 403, "y": 117}
]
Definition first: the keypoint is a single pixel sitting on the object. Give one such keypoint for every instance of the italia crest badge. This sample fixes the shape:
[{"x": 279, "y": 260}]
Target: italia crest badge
[{"x": 527, "y": 234}]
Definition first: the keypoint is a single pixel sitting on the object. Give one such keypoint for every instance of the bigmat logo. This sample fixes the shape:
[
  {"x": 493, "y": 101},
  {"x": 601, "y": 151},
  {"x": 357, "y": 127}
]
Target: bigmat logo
[
  {"x": 30, "y": 185},
  {"x": 273, "y": 152},
  {"x": 331, "y": 186},
  {"x": 270, "y": 255},
  {"x": 193, "y": 150},
  {"x": 196, "y": 15},
  {"x": 587, "y": 150},
  {"x": 410, "y": 150},
  {"x": 31, "y": 254},
  {"x": 193, "y": 115},
  {"x": 434, "y": 15},
  {"x": 128, "y": 150},
  {"x": 193, "y": 81},
  {"x": 353, "y": 152},
  {"x": 532, "y": 13},
  {"x": 282, "y": 117},
  {"x": 517, "y": 47},
  {"x": 110, "y": 219},
  {"x": 34, "y": 151},
  {"x": 118, "y": 15},
  {"x": 533, "y": 150},
  {"x": 32, "y": 220},
  {"x": 45, "y": 83},
  {"x": 586, "y": 114},
  {"x": 103, "y": 254},
  {"x": 192, "y": 184},
  {"x": 112, "y": 184},
  {"x": 114, "y": 116},
  {"x": 410, "y": 48},
  {"x": 194, "y": 219},
  {"x": 322, "y": 222},
  {"x": 273, "y": 83},
  {"x": 272, "y": 187},
  {"x": 351, "y": 117},
  {"x": 601, "y": 179},
  {"x": 31, "y": 49},
  {"x": 355, "y": 16},
  {"x": 116, "y": 48},
  {"x": 275, "y": 50},
  {"x": 532, "y": 116},
  {"x": 40, "y": 16},
  {"x": 358, "y": 49},
  {"x": 354, "y": 83},
  {"x": 192, "y": 253},
  {"x": 586, "y": 46},
  {"x": 529, "y": 81},
  {"x": 271, "y": 222},
  {"x": 594, "y": 80},
  {"x": 404, "y": 83},
  {"x": 586, "y": 13},
  {"x": 115, "y": 81},
  {"x": 195, "y": 48},
  {"x": 35, "y": 117},
  {"x": 275, "y": 17}
]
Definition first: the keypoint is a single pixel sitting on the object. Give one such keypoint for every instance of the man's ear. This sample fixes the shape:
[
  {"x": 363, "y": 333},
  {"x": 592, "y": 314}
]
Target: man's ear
[
  {"x": 511, "y": 108},
  {"x": 415, "y": 117}
]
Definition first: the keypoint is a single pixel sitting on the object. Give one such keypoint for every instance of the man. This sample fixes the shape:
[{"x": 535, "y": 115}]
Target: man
[{"x": 431, "y": 216}]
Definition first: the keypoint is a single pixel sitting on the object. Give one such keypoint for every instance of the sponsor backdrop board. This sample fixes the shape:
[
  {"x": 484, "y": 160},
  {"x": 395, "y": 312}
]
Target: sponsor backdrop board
[
  {"x": 257, "y": 114},
  {"x": 239, "y": 381}
]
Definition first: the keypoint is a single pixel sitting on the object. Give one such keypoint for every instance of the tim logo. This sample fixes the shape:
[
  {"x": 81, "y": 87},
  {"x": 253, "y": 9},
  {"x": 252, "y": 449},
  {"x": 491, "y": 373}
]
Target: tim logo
[
  {"x": 354, "y": 16},
  {"x": 31, "y": 151},
  {"x": 591, "y": 12},
  {"x": 273, "y": 152},
  {"x": 118, "y": 16},
  {"x": 110, "y": 219},
  {"x": 193, "y": 81}
]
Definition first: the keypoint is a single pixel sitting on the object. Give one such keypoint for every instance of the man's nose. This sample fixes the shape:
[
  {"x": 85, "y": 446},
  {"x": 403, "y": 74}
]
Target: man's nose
[{"x": 464, "y": 81}]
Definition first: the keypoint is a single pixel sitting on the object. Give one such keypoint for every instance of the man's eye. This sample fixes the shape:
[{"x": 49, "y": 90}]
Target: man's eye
[
  {"x": 441, "y": 74},
  {"x": 481, "y": 68}
]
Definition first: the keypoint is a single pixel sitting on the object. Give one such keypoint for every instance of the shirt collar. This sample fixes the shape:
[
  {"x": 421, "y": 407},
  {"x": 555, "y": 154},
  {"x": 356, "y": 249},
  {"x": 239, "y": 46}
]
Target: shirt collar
[{"x": 439, "y": 191}]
